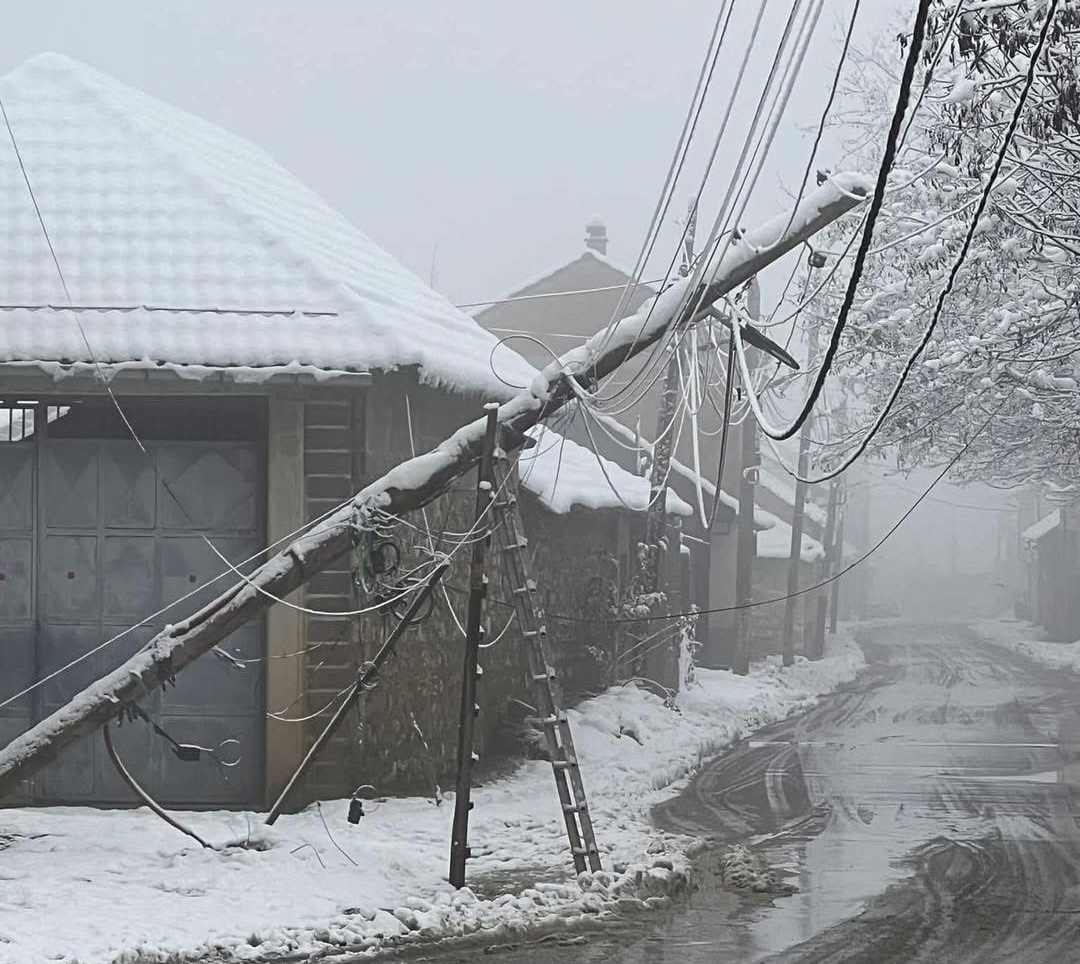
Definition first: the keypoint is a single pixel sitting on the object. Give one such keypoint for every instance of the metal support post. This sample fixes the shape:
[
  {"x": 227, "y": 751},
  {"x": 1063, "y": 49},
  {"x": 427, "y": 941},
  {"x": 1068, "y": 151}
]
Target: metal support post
[
  {"x": 478, "y": 583},
  {"x": 363, "y": 681}
]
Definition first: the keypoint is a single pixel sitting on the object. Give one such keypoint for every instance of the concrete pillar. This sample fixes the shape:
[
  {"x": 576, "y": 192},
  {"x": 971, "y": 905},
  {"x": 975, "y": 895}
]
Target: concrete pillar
[{"x": 284, "y": 626}]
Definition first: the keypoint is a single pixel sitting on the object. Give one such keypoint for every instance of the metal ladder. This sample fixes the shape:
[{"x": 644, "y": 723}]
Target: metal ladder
[{"x": 513, "y": 546}]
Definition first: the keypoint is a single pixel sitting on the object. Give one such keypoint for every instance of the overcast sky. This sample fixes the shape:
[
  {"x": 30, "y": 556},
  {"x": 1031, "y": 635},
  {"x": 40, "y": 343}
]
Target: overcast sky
[{"x": 478, "y": 134}]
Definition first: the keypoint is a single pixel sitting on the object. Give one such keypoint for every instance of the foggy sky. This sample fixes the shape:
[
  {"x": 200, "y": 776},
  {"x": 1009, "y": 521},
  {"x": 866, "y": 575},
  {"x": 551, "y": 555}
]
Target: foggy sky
[{"x": 482, "y": 133}]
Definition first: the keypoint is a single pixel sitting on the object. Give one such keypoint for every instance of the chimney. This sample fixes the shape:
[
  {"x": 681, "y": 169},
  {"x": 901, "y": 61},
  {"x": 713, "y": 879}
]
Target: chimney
[{"x": 596, "y": 236}]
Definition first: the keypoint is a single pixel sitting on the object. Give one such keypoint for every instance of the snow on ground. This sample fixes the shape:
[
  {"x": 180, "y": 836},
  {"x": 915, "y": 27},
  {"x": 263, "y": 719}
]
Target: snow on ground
[
  {"x": 1024, "y": 638},
  {"x": 85, "y": 886}
]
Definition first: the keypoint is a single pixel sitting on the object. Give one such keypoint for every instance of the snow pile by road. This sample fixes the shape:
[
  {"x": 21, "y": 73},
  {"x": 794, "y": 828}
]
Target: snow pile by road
[
  {"x": 1024, "y": 638},
  {"x": 84, "y": 886}
]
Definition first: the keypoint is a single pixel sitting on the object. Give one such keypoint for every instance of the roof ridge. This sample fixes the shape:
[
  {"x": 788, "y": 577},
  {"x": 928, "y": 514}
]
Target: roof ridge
[{"x": 520, "y": 289}]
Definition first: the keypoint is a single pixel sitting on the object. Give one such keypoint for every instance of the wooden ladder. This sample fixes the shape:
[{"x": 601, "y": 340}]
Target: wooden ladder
[{"x": 513, "y": 546}]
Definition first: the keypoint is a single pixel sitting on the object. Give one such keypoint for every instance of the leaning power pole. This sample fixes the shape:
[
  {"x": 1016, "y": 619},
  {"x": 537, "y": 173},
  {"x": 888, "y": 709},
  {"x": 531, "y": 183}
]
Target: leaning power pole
[{"x": 418, "y": 481}]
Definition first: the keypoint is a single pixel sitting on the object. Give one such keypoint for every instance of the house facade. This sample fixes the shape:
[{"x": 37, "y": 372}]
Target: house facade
[
  {"x": 1050, "y": 544},
  {"x": 213, "y": 362}
]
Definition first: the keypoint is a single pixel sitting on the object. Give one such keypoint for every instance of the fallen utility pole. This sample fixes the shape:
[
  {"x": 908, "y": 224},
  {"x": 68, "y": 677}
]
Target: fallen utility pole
[
  {"x": 474, "y": 631},
  {"x": 413, "y": 484}
]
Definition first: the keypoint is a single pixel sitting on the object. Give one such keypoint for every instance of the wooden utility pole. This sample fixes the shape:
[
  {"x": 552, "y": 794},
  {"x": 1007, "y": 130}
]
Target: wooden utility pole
[
  {"x": 746, "y": 544},
  {"x": 797, "y": 524},
  {"x": 415, "y": 483},
  {"x": 795, "y": 553},
  {"x": 364, "y": 680},
  {"x": 826, "y": 565},
  {"x": 656, "y": 523},
  {"x": 837, "y": 557},
  {"x": 474, "y": 631},
  {"x": 648, "y": 583}
]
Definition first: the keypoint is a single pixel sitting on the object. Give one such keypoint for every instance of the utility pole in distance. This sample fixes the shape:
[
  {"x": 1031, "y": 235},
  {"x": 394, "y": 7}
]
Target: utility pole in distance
[
  {"x": 837, "y": 557},
  {"x": 826, "y": 565},
  {"x": 746, "y": 546},
  {"x": 798, "y": 515},
  {"x": 795, "y": 558}
]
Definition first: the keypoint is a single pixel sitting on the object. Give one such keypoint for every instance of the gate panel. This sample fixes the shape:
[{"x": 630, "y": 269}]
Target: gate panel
[
  {"x": 130, "y": 590},
  {"x": 70, "y": 483},
  {"x": 17, "y": 486},
  {"x": 69, "y": 578},
  {"x": 91, "y": 544},
  {"x": 16, "y": 579}
]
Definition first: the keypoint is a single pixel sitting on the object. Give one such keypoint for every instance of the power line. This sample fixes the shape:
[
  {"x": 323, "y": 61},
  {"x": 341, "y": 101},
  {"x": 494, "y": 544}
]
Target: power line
[
  {"x": 809, "y": 589},
  {"x": 891, "y": 146},
  {"x": 555, "y": 294}
]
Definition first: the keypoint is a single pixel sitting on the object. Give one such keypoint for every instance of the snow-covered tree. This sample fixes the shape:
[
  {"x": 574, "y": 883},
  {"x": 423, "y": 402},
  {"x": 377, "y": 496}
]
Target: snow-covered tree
[{"x": 984, "y": 202}]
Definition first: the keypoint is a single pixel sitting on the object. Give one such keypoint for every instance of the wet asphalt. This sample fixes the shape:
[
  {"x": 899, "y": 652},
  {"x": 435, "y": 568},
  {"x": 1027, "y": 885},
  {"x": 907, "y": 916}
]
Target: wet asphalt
[{"x": 926, "y": 813}]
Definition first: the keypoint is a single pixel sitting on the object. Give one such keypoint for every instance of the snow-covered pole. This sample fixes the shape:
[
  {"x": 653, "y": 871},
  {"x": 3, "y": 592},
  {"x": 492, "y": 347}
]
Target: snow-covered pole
[{"x": 416, "y": 482}]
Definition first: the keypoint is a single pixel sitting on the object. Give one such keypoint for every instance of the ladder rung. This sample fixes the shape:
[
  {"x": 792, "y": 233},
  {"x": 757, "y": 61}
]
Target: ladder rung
[{"x": 556, "y": 725}]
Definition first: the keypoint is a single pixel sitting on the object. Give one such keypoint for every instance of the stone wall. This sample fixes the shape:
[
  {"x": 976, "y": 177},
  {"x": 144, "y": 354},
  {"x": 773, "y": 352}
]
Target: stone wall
[
  {"x": 403, "y": 736},
  {"x": 334, "y": 431},
  {"x": 767, "y": 622}
]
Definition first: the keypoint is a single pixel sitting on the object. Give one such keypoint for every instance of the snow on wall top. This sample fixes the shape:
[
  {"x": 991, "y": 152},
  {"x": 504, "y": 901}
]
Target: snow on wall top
[
  {"x": 150, "y": 206},
  {"x": 563, "y": 474},
  {"x": 1043, "y": 527},
  {"x": 775, "y": 542}
]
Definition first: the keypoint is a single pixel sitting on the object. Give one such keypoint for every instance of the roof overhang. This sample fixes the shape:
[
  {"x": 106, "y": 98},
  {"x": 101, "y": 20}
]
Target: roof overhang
[{"x": 82, "y": 378}]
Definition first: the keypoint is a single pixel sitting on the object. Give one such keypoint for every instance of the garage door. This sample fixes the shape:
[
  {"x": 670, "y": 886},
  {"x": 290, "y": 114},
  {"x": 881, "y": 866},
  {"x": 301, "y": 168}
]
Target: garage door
[{"x": 96, "y": 539}]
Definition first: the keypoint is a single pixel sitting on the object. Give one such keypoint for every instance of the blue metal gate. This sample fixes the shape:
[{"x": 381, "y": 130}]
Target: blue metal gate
[{"x": 96, "y": 538}]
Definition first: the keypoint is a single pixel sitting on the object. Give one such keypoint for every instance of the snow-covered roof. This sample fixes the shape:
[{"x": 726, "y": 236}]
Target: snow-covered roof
[
  {"x": 563, "y": 474},
  {"x": 539, "y": 279},
  {"x": 1043, "y": 527},
  {"x": 183, "y": 243}
]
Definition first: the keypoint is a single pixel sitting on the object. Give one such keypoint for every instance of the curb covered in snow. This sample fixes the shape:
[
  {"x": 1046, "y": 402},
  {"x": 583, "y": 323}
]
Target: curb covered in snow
[
  {"x": 133, "y": 890},
  {"x": 1023, "y": 637}
]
